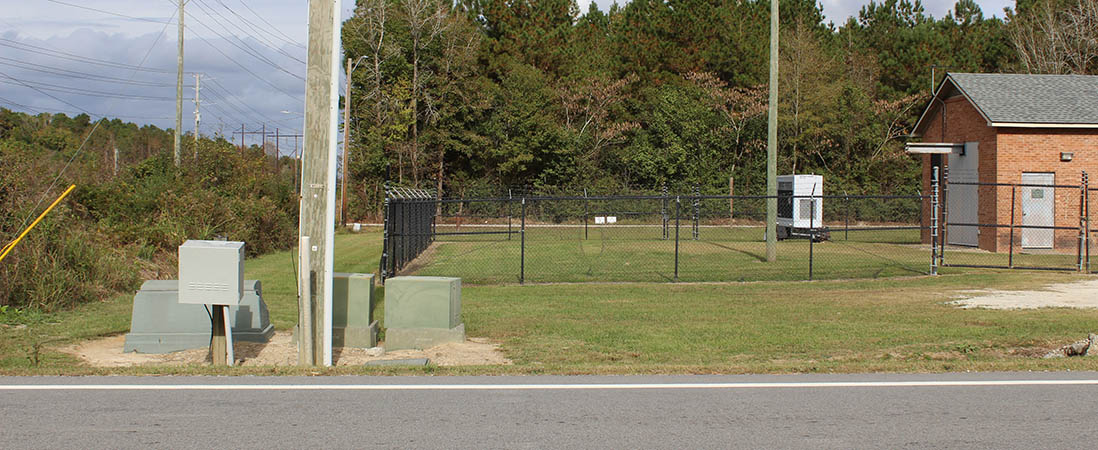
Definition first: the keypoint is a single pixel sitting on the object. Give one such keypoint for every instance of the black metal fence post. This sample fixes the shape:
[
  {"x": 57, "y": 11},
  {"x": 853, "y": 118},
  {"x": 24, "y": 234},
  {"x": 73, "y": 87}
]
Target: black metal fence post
[
  {"x": 663, "y": 212},
  {"x": 1082, "y": 221},
  {"x": 945, "y": 216},
  {"x": 697, "y": 210},
  {"x": 510, "y": 213},
  {"x": 586, "y": 212},
  {"x": 678, "y": 204},
  {"x": 522, "y": 254},
  {"x": 811, "y": 234},
  {"x": 1013, "y": 207},
  {"x": 846, "y": 208},
  {"x": 1086, "y": 220},
  {"x": 935, "y": 187},
  {"x": 385, "y": 242}
]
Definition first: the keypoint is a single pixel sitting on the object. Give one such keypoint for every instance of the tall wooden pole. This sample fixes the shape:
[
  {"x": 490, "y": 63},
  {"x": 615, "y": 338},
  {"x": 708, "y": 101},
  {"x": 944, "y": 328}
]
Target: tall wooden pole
[
  {"x": 346, "y": 146},
  {"x": 772, "y": 143},
  {"x": 179, "y": 90},
  {"x": 318, "y": 171},
  {"x": 197, "y": 113}
]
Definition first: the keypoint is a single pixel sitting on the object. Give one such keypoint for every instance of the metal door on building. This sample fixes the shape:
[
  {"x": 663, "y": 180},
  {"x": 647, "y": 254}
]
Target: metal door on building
[
  {"x": 963, "y": 200},
  {"x": 1038, "y": 209}
]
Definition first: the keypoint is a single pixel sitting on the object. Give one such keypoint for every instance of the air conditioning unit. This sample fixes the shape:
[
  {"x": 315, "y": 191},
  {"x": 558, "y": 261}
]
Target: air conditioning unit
[
  {"x": 211, "y": 272},
  {"x": 800, "y": 207}
]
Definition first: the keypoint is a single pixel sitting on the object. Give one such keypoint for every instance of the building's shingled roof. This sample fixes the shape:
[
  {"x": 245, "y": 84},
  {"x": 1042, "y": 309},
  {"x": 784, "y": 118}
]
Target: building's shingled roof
[{"x": 1032, "y": 99}]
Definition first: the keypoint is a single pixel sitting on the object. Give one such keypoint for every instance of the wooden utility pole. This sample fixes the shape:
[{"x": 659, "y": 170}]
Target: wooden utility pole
[
  {"x": 179, "y": 90},
  {"x": 318, "y": 171},
  {"x": 197, "y": 114},
  {"x": 772, "y": 143},
  {"x": 346, "y": 144}
]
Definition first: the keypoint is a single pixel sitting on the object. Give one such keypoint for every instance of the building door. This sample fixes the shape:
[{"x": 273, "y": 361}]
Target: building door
[
  {"x": 962, "y": 200},
  {"x": 1038, "y": 209}
]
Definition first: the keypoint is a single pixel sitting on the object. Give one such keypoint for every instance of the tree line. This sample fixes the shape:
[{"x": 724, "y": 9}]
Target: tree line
[{"x": 474, "y": 96}]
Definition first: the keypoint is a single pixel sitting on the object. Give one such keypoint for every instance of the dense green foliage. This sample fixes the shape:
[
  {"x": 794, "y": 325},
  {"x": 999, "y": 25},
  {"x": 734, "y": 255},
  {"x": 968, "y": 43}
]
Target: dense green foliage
[
  {"x": 116, "y": 229},
  {"x": 477, "y": 95}
]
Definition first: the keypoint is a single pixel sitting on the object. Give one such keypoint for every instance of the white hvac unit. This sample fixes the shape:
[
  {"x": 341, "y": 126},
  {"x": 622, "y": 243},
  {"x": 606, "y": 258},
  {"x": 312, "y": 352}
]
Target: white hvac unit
[{"x": 800, "y": 207}]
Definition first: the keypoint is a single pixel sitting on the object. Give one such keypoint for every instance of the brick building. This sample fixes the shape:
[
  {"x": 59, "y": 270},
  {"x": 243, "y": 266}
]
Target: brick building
[{"x": 1032, "y": 130}]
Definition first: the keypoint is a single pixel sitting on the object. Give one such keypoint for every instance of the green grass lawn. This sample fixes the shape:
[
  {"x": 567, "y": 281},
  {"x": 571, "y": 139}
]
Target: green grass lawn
[
  {"x": 888, "y": 324},
  {"x": 618, "y": 254}
]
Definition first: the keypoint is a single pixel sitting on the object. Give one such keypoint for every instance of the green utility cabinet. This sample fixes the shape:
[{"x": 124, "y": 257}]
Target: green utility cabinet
[
  {"x": 353, "y": 323},
  {"x": 421, "y": 312},
  {"x": 161, "y": 324}
]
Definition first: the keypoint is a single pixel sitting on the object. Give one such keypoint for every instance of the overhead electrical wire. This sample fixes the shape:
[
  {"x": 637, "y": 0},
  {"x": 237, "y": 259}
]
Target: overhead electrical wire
[
  {"x": 80, "y": 149},
  {"x": 77, "y": 74},
  {"x": 245, "y": 49},
  {"x": 89, "y": 92},
  {"x": 209, "y": 10},
  {"x": 230, "y": 98},
  {"x": 30, "y": 48},
  {"x": 261, "y": 39},
  {"x": 143, "y": 19},
  {"x": 2, "y": 99},
  {"x": 288, "y": 39}
]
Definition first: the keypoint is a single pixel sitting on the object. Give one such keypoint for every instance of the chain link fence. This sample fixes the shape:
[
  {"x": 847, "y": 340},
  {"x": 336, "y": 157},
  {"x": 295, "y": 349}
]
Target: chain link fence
[
  {"x": 1035, "y": 224},
  {"x": 661, "y": 237}
]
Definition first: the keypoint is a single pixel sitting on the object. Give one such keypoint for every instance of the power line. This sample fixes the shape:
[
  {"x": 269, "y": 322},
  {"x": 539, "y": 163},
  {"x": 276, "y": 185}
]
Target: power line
[
  {"x": 247, "y": 51},
  {"x": 242, "y": 67},
  {"x": 90, "y": 133},
  {"x": 262, "y": 40},
  {"x": 30, "y": 48},
  {"x": 2, "y": 99},
  {"x": 88, "y": 92},
  {"x": 224, "y": 92},
  {"x": 77, "y": 74},
  {"x": 69, "y": 111},
  {"x": 288, "y": 39},
  {"x": 109, "y": 12},
  {"x": 47, "y": 94}
]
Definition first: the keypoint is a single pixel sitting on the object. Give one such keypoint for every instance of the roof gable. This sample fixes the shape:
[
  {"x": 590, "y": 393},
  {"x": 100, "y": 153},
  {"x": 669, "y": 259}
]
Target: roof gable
[{"x": 1006, "y": 100}]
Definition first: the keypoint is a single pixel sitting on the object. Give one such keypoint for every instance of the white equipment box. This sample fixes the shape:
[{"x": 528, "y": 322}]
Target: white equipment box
[
  {"x": 211, "y": 272},
  {"x": 800, "y": 206}
]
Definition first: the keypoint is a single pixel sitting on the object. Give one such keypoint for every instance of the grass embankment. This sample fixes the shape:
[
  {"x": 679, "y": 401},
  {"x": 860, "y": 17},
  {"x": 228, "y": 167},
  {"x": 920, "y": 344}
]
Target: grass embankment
[{"x": 897, "y": 324}]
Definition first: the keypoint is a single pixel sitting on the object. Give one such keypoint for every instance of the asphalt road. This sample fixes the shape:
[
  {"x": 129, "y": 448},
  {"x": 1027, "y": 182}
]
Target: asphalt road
[{"x": 1022, "y": 410}]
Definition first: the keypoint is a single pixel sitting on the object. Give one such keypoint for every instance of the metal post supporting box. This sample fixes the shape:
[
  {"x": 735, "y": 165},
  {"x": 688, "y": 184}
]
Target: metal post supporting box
[{"x": 211, "y": 272}]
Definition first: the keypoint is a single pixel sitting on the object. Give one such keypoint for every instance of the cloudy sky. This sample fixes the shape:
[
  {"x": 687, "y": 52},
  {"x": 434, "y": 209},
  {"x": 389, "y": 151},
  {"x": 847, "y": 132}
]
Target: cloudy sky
[{"x": 117, "y": 58}]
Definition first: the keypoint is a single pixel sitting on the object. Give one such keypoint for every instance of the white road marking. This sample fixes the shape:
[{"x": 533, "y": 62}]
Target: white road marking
[{"x": 534, "y": 387}]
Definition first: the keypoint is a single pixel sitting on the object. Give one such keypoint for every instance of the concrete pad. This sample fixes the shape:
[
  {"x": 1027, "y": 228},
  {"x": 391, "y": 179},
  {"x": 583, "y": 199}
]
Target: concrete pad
[
  {"x": 422, "y": 338},
  {"x": 160, "y": 324},
  {"x": 355, "y": 337},
  {"x": 415, "y": 362}
]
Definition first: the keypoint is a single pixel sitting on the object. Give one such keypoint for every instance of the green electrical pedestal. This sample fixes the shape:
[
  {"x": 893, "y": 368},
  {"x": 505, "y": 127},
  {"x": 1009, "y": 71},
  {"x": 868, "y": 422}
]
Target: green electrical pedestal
[
  {"x": 422, "y": 312},
  {"x": 160, "y": 324},
  {"x": 352, "y": 310}
]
